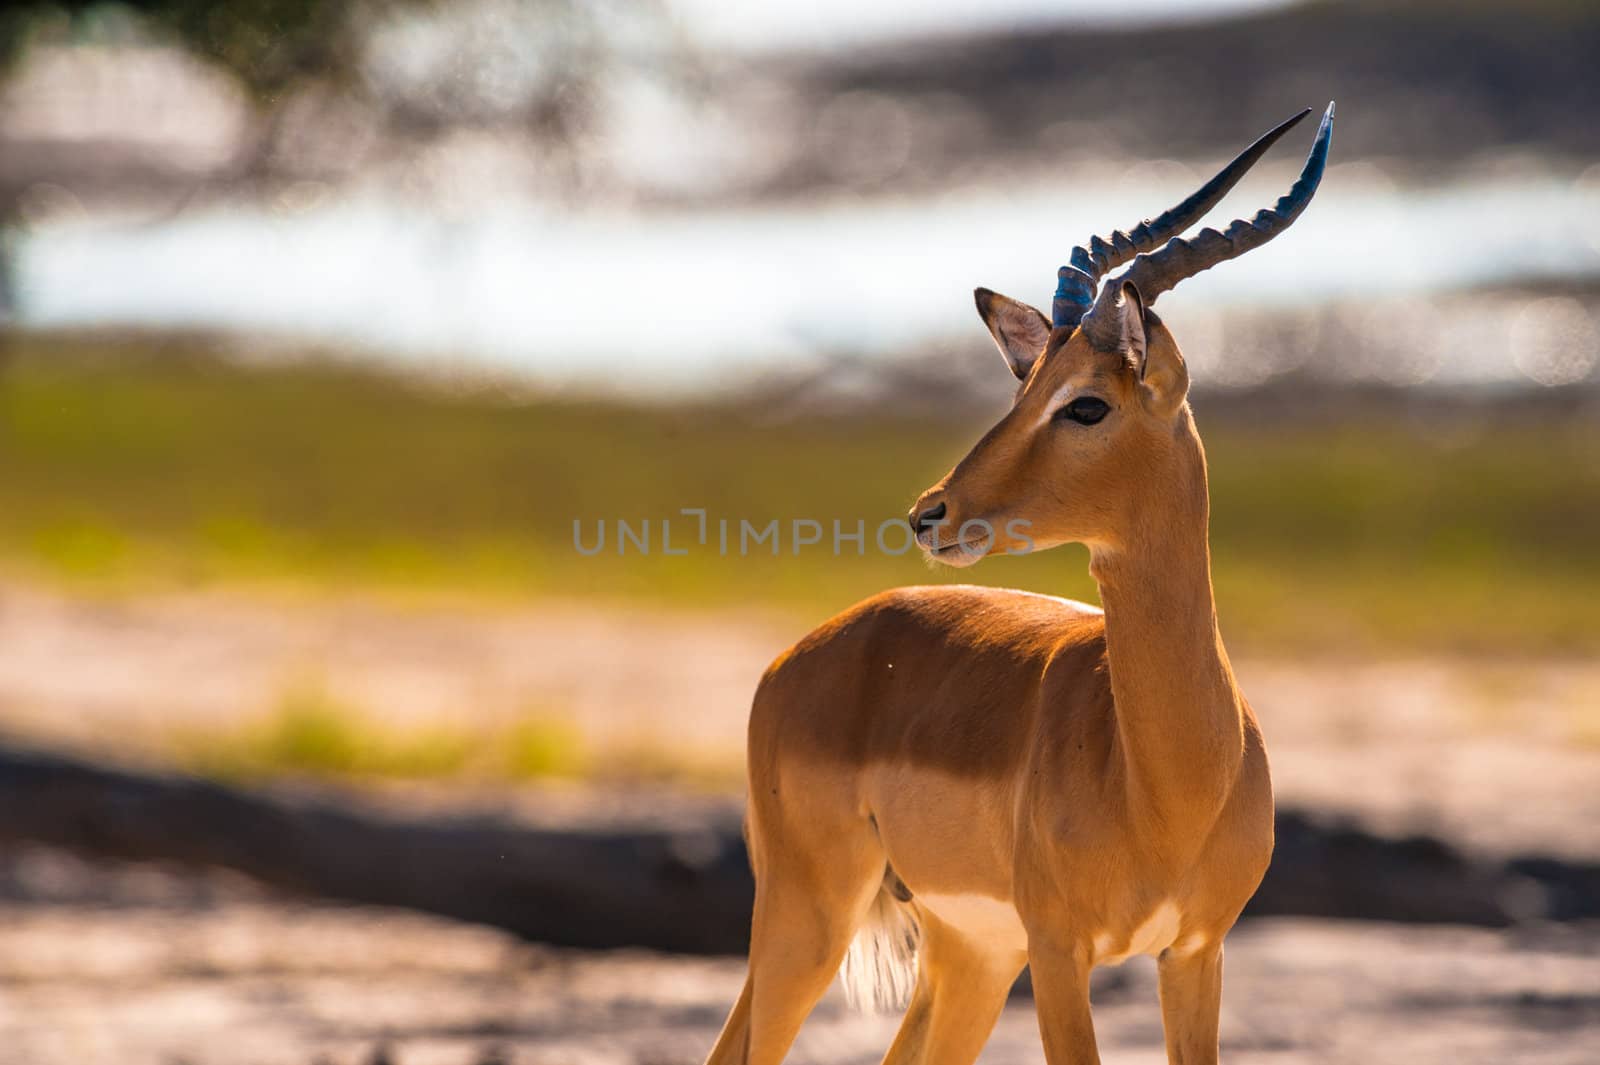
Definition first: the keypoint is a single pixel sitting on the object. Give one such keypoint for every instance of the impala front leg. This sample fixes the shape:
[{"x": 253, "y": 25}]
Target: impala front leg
[
  {"x": 1061, "y": 997},
  {"x": 1191, "y": 1002}
]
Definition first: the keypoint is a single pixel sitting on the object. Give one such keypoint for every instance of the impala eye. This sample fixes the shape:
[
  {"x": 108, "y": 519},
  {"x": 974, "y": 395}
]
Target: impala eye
[{"x": 1085, "y": 410}]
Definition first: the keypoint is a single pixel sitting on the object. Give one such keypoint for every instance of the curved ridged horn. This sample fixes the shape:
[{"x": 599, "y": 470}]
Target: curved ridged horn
[
  {"x": 1076, "y": 284},
  {"x": 1155, "y": 272}
]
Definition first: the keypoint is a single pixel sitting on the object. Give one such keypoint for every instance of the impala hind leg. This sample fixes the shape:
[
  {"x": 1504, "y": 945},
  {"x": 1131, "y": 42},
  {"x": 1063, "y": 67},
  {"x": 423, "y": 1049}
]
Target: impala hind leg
[
  {"x": 809, "y": 901},
  {"x": 1191, "y": 1003},
  {"x": 961, "y": 989},
  {"x": 733, "y": 1044}
]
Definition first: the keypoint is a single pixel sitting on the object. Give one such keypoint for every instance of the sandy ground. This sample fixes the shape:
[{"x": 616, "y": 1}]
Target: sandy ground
[
  {"x": 129, "y": 965},
  {"x": 1503, "y": 756}
]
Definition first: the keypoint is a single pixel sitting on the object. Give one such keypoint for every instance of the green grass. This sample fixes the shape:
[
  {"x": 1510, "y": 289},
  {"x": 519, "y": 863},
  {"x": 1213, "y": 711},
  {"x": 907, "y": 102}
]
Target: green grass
[
  {"x": 138, "y": 465},
  {"x": 311, "y": 734}
]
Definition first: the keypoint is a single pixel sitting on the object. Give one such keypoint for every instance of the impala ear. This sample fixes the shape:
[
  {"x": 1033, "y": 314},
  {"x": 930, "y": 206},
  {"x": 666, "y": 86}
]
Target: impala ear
[
  {"x": 1128, "y": 333},
  {"x": 1019, "y": 331},
  {"x": 1163, "y": 373}
]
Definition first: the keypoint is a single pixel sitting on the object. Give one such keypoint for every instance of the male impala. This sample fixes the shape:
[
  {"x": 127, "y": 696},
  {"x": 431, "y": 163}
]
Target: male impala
[{"x": 970, "y": 780}]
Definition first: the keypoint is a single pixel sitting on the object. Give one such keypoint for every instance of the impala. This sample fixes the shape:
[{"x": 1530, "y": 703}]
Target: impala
[{"x": 967, "y": 780}]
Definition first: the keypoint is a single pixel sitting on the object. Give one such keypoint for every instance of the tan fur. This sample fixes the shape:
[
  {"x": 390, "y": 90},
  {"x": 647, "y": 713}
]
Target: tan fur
[{"x": 1101, "y": 776}]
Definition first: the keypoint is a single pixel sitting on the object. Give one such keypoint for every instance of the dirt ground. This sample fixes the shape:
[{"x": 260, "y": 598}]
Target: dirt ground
[
  {"x": 127, "y": 964},
  {"x": 123, "y": 965},
  {"x": 1499, "y": 755}
]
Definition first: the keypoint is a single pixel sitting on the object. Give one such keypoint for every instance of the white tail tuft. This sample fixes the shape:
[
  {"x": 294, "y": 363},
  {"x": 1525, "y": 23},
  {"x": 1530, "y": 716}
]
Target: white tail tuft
[{"x": 880, "y": 969}]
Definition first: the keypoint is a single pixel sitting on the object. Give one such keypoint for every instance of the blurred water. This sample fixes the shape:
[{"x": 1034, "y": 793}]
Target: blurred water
[
  {"x": 820, "y": 24},
  {"x": 646, "y": 302}
]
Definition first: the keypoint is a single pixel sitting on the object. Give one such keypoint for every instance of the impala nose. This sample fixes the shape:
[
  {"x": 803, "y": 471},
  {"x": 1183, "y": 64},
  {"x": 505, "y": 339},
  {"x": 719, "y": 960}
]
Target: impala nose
[{"x": 928, "y": 519}]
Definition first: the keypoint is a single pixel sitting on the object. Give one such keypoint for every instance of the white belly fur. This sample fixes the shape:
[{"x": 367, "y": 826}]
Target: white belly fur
[
  {"x": 1152, "y": 937},
  {"x": 994, "y": 923},
  {"x": 983, "y": 920}
]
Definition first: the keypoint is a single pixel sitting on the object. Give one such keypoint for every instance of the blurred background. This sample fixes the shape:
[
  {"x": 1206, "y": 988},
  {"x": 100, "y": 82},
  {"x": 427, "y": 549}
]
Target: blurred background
[{"x": 333, "y": 335}]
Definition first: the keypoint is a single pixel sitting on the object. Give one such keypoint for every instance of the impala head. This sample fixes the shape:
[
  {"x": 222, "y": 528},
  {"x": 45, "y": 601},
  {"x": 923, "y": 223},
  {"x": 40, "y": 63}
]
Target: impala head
[{"x": 1100, "y": 425}]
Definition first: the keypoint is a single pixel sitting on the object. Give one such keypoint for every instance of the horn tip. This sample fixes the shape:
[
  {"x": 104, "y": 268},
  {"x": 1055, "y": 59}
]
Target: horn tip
[
  {"x": 1324, "y": 129},
  {"x": 1284, "y": 127}
]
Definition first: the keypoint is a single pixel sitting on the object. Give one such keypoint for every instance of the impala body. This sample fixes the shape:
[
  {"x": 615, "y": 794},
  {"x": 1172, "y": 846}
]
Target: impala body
[{"x": 949, "y": 783}]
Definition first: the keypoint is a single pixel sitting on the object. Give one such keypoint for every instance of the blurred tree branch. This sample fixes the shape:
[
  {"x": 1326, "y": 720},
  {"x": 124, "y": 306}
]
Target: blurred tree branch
[
  {"x": 533, "y": 70},
  {"x": 266, "y": 44}
]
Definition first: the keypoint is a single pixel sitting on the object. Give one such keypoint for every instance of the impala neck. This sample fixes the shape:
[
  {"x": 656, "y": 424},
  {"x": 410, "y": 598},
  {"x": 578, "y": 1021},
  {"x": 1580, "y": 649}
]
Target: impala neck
[{"x": 1179, "y": 713}]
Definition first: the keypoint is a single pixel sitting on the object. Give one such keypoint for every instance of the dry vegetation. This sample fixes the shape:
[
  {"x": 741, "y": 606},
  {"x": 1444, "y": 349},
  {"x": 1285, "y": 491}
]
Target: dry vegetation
[{"x": 1373, "y": 529}]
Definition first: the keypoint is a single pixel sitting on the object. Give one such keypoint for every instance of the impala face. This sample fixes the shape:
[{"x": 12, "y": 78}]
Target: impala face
[
  {"x": 1099, "y": 428},
  {"x": 1060, "y": 466}
]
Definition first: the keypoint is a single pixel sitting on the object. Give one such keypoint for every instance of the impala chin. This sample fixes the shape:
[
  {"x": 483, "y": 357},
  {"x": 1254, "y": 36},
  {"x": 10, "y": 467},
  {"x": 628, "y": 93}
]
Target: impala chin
[
  {"x": 958, "y": 546},
  {"x": 960, "y": 554},
  {"x": 976, "y": 539}
]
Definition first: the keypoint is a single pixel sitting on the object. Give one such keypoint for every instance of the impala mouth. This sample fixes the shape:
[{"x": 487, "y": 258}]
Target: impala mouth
[{"x": 959, "y": 553}]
